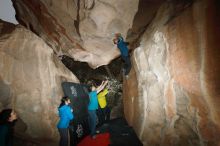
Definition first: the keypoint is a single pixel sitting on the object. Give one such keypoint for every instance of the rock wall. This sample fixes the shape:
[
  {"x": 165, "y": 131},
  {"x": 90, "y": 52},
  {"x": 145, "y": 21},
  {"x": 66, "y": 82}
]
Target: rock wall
[
  {"x": 30, "y": 82},
  {"x": 81, "y": 29},
  {"x": 172, "y": 95}
]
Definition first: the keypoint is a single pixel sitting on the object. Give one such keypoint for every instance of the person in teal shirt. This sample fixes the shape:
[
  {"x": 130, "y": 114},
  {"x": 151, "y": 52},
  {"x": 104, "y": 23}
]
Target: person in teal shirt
[
  {"x": 93, "y": 106},
  {"x": 66, "y": 115}
]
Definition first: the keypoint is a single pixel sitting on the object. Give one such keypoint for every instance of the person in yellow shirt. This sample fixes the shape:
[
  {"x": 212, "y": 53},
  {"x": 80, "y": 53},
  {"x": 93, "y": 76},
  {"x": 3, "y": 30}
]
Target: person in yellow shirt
[{"x": 103, "y": 111}]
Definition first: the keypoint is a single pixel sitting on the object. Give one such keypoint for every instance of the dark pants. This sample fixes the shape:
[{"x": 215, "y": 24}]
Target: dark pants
[
  {"x": 92, "y": 121},
  {"x": 72, "y": 135},
  {"x": 103, "y": 115},
  {"x": 63, "y": 136},
  {"x": 127, "y": 64}
]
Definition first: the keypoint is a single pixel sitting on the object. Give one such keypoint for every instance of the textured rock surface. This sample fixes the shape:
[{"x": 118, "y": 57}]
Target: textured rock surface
[
  {"x": 81, "y": 29},
  {"x": 176, "y": 99},
  {"x": 172, "y": 95},
  {"x": 30, "y": 81}
]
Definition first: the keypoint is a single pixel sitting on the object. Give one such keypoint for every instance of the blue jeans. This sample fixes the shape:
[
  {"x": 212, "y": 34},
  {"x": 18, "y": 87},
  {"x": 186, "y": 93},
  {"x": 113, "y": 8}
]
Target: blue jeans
[
  {"x": 92, "y": 121},
  {"x": 63, "y": 136}
]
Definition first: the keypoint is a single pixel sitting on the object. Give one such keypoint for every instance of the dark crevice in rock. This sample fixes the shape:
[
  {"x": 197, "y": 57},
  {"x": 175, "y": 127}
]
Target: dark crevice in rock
[
  {"x": 141, "y": 21},
  {"x": 5, "y": 93},
  {"x": 177, "y": 7},
  {"x": 83, "y": 72},
  {"x": 32, "y": 29},
  {"x": 6, "y": 28},
  {"x": 76, "y": 22}
]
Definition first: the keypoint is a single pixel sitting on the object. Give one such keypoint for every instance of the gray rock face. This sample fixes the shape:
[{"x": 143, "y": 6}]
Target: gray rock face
[{"x": 30, "y": 81}]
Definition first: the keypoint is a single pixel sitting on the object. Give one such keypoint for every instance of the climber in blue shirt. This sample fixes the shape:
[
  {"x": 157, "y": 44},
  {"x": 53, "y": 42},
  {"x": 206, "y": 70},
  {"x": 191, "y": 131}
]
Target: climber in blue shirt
[{"x": 122, "y": 46}]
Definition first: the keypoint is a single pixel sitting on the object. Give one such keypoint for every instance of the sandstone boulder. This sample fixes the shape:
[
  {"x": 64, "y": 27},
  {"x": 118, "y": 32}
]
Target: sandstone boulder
[
  {"x": 81, "y": 29},
  {"x": 30, "y": 81},
  {"x": 172, "y": 95}
]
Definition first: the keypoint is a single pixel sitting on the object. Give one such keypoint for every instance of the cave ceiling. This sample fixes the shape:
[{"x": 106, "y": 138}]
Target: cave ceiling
[{"x": 84, "y": 29}]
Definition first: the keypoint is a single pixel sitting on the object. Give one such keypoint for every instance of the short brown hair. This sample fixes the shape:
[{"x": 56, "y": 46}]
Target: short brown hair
[{"x": 117, "y": 35}]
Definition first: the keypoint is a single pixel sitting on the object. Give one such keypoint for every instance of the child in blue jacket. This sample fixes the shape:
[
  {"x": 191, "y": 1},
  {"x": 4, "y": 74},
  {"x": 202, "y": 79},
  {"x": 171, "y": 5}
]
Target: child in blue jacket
[{"x": 65, "y": 114}]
